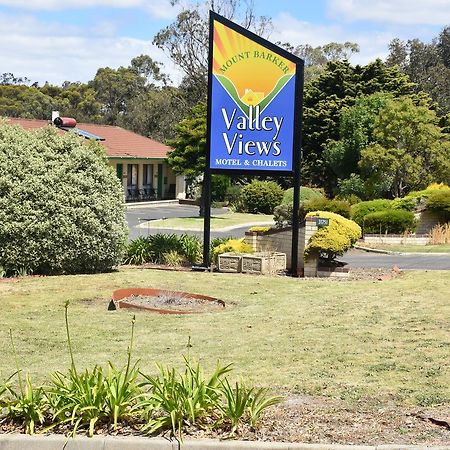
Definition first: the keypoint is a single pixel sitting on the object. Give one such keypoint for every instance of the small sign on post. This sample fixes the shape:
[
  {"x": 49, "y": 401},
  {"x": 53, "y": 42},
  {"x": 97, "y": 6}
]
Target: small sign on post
[{"x": 322, "y": 222}]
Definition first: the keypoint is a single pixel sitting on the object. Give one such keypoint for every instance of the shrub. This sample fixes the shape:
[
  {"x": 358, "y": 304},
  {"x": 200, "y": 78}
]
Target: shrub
[
  {"x": 61, "y": 205},
  {"x": 439, "y": 202},
  {"x": 306, "y": 193},
  {"x": 261, "y": 196},
  {"x": 334, "y": 239},
  {"x": 233, "y": 197},
  {"x": 164, "y": 249},
  {"x": 395, "y": 221},
  {"x": 282, "y": 216},
  {"x": 219, "y": 187},
  {"x": 341, "y": 207},
  {"x": 360, "y": 210},
  {"x": 232, "y": 246},
  {"x": 352, "y": 186}
]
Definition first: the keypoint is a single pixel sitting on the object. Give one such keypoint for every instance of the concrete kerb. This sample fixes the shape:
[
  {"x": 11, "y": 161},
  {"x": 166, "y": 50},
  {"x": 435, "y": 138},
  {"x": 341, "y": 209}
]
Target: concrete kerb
[
  {"x": 150, "y": 204},
  {"x": 59, "y": 442}
]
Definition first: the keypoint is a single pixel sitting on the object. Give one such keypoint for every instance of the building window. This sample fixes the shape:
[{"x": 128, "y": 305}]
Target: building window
[
  {"x": 132, "y": 175},
  {"x": 148, "y": 175}
]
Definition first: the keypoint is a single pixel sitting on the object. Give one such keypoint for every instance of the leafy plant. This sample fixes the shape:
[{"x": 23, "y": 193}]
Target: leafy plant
[
  {"x": 180, "y": 399},
  {"x": 191, "y": 248},
  {"x": 61, "y": 205},
  {"x": 389, "y": 221},
  {"x": 122, "y": 388},
  {"x": 360, "y": 210},
  {"x": 28, "y": 404},
  {"x": 236, "y": 402},
  {"x": 161, "y": 244},
  {"x": 231, "y": 245},
  {"x": 340, "y": 207},
  {"x": 306, "y": 193},
  {"x": 138, "y": 251},
  {"x": 334, "y": 239},
  {"x": 259, "y": 402},
  {"x": 261, "y": 197}
]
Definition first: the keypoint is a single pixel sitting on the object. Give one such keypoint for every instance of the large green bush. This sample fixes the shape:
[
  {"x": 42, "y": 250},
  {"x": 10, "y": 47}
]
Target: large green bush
[
  {"x": 306, "y": 193},
  {"x": 261, "y": 197},
  {"x": 341, "y": 207},
  {"x": 360, "y": 210},
  {"x": 61, "y": 205},
  {"x": 334, "y": 239},
  {"x": 395, "y": 221}
]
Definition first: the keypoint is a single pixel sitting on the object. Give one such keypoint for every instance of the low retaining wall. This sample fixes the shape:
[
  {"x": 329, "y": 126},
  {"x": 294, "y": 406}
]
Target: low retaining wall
[
  {"x": 281, "y": 241},
  {"x": 422, "y": 239}
]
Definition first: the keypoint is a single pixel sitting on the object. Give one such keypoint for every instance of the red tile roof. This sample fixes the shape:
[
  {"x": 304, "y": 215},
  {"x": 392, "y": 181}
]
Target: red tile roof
[{"x": 119, "y": 143}]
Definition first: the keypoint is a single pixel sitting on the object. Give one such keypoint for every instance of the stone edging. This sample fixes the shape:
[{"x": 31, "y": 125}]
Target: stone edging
[{"x": 59, "y": 442}]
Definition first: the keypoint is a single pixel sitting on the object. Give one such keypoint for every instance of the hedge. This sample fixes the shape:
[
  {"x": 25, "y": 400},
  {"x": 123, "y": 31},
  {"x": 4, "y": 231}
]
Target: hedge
[
  {"x": 394, "y": 221},
  {"x": 61, "y": 205},
  {"x": 360, "y": 210}
]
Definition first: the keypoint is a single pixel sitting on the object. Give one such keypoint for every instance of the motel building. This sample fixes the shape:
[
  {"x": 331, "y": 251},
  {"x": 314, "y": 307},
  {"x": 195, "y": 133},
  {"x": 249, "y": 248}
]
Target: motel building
[{"x": 138, "y": 161}]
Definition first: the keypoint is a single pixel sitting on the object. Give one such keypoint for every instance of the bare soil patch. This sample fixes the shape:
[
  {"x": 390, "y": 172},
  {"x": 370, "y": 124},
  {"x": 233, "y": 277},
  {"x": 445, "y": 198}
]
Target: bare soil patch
[{"x": 175, "y": 302}]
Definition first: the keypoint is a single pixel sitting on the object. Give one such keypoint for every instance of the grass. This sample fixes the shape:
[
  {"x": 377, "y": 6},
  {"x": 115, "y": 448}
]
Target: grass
[
  {"x": 347, "y": 339},
  {"x": 229, "y": 219},
  {"x": 408, "y": 248}
]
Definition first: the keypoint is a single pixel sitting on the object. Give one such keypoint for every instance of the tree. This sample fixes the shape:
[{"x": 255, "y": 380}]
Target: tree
[
  {"x": 188, "y": 156},
  {"x": 427, "y": 65},
  {"x": 115, "y": 88},
  {"x": 61, "y": 205},
  {"x": 356, "y": 125},
  {"x": 337, "y": 87},
  {"x": 410, "y": 150},
  {"x": 316, "y": 58},
  {"x": 27, "y": 102},
  {"x": 185, "y": 41}
]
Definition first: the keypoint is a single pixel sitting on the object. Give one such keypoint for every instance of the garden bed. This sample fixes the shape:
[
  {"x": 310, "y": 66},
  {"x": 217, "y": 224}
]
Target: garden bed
[{"x": 166, "y": 302}]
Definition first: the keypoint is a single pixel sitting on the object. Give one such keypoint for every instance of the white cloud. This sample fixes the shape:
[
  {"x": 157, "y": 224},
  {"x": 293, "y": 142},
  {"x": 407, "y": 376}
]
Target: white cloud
[
  {"x": 428, "y": 12},
  {"x": 56, "y": 53},
  {"x": 373, "y": 45},
  {"x": 159, "y": 9}
]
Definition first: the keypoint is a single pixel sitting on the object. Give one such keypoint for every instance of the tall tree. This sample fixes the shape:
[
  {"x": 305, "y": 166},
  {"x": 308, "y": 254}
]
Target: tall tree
[
  {"x": 427, "y": 65},
  {"x": 337, "y": 87},
  {"x": 410, "y": 150},
  {"x": 185, "y": 41}
]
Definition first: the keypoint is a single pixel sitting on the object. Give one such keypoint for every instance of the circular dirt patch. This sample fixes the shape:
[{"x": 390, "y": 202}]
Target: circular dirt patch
[{"x": 166, "y": 302}]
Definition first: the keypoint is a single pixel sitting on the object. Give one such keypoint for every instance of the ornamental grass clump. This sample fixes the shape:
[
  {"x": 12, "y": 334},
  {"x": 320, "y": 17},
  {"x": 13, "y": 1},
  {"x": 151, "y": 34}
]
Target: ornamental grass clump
[{"x": 335, "y": 239}]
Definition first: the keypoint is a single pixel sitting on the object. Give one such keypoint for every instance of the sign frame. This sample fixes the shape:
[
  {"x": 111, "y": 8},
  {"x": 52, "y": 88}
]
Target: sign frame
[{"x": 296, "y": 140}]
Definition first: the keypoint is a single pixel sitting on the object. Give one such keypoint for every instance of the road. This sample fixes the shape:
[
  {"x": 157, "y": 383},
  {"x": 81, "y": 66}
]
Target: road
[
  {"x": 354, "y": 258},
  {"x": 139, "y": 215},
  {"x": 405, "y": 261}
]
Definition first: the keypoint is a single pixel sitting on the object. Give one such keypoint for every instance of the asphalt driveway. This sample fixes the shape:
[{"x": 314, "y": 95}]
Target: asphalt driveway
[{"x": 137, "y": 215}]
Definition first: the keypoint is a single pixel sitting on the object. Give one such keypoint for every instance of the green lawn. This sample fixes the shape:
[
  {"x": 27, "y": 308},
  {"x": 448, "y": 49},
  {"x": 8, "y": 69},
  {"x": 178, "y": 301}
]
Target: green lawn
[
  {"x": 218, "y": 222},
  {"x": 408, "y": 248},
  {"x": 346, "y": 339}
]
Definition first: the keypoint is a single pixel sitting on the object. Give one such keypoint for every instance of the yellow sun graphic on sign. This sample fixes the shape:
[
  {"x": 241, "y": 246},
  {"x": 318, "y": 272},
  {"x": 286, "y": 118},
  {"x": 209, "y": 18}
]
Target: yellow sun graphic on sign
[{"x": 247, "y": 70}]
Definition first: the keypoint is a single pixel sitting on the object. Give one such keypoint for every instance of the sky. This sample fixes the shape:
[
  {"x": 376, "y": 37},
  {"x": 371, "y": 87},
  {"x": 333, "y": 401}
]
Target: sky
[{"x": 59, "y": 40}]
